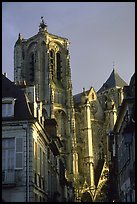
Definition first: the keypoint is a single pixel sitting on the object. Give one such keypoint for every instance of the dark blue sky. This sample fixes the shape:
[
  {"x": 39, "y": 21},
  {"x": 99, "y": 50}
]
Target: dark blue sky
[{"x": 99, "y": 33}]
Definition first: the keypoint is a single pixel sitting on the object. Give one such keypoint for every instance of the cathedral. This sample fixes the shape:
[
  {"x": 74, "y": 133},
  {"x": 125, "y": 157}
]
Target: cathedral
[{"x": 84, "y": 121}]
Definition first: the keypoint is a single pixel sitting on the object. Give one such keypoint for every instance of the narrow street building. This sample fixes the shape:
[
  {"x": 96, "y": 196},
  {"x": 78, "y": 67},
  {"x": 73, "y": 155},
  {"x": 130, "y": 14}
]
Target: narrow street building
[
  {"x": 123, "y": 142},
  {"x": 31, "y": 170}
]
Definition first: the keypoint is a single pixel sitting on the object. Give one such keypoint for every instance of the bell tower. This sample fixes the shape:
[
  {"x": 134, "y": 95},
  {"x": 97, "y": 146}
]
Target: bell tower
[{"x": 43, "y": 60}]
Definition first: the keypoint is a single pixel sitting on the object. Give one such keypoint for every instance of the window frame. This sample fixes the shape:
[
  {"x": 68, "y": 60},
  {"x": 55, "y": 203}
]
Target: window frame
[
  {"x": 19, "y": 152},
  {"x": 58, "y": 66},
  {"x": 52, "y": 62},
  {"x": 6, "y": 101},
  {"x": 7, "y": 149}
]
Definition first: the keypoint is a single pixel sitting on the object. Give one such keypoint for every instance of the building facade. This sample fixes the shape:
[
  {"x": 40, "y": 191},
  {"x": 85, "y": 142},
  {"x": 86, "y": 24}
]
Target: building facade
[
  {"x": 123, "y": 142},
  {"x": 32, "y": 168}
]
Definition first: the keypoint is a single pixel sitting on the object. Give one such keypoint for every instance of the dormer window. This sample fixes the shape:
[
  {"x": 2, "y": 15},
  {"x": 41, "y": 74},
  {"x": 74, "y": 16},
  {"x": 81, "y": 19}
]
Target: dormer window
[{"x": 8, "y": 107}]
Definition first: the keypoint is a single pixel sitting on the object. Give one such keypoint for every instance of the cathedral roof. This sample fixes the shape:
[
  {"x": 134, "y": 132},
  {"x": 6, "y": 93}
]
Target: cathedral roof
[
  {"x": 113, "y": 81},
  {"x": 77, "y": 97}
]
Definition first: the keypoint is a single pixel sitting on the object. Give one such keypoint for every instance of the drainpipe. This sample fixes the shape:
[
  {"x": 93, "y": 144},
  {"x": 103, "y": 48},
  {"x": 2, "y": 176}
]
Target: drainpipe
[{"x": 26, "y": 127}]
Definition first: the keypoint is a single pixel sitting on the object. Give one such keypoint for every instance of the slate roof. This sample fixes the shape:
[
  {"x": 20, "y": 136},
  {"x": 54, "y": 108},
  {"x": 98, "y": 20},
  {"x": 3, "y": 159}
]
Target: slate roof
[
  {"x": 22, "y": 109},
  {"x": 77, "y": 97},
  {"x": 113, "y": 81}
]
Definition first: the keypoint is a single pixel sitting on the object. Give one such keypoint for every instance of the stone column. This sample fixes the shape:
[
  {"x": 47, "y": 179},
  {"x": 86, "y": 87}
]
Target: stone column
[{"x": 88, "y": 145}]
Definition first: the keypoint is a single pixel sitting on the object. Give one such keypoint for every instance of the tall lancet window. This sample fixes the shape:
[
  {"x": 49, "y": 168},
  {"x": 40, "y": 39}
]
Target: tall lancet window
[
  {"x": 52, "y": 62},
  {"x": 58, "y": 57},
  {"x": 32, "y": 67}
]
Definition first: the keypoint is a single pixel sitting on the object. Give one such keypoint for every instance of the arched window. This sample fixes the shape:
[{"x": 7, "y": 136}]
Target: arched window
[
  {"x": 93, "y": 96},
  {"x": 31, "y": 67},
  {"x": 58, "y": 57},
  {"x": 51, "y": 53}
]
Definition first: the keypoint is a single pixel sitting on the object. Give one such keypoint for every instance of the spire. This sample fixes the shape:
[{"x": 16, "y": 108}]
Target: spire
[
  {"x": 43, "y": 25},
  {"x": 114, "y": 68},
  {"x": 113, "y": 65},
  {"x": 20, "y": 38},
  {"x": 114, "y": 80}
]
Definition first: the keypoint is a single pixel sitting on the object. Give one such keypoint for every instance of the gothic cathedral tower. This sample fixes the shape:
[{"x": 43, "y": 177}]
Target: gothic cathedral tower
[{"x": 44, "y": 61}]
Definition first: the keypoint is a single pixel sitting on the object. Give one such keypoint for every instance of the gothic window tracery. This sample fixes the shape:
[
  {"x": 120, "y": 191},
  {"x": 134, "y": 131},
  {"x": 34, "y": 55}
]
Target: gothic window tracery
[
  {"x": 31, "y": 69},
  {"x": 51, "y": 52},
  {"x": 92, "y": 96},
  {"x": 58, "y": 58}
]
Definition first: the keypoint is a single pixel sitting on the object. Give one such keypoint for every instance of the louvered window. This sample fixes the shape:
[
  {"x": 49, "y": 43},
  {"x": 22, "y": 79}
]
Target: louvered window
[
  {"x": 52, "y": 63},
  {"x": 58, "y": 58},
  {"x": 19, "y": 153}
]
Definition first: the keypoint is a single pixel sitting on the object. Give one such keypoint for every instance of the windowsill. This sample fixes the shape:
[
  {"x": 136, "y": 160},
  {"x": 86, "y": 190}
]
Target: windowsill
[
  {"x": 7, "y": 185},
  {"x": 8, "y": 116}
]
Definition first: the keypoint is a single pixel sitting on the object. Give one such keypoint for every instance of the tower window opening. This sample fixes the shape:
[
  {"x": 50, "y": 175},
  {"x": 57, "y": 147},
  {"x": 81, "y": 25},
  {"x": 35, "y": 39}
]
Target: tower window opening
[
  {"x": 52, "y": 63},
  {"x": 32, "y": 68},
  {"x": 93, "y": 96},
  {"x": 58, "y": 66}
]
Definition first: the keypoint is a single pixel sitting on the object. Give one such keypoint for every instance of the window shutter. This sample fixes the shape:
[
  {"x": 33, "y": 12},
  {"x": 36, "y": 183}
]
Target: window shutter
[
  {"x": 3, "y": 159},
  {"x": 3, "y": 110},
  {"x": 38, "y": 161},
  {"x": 19, "y": 152},
  {"x": 41, "y": 163}
]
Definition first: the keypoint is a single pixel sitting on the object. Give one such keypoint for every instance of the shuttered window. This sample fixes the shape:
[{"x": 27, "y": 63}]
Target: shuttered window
[
  {"x": 8, "y": 160},
  {"x": 35, "y": 155},
  {"x": 8, "y": 156},
  {"x": 38, "y": 160},
  {"x": 19, "y": 153}
]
